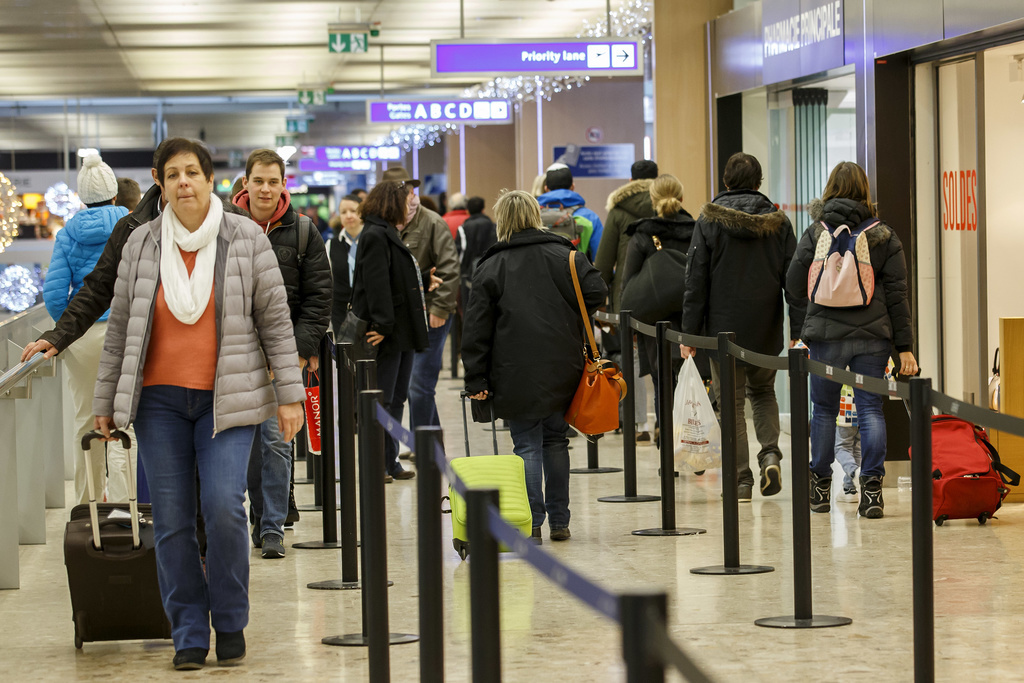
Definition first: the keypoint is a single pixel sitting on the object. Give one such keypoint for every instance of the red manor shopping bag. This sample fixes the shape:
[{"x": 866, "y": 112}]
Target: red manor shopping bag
[{"x": 313, "y": 412}]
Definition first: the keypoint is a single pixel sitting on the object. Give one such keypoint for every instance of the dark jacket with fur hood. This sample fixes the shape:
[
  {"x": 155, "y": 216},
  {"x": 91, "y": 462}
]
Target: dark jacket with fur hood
[
  {"x": 887, "y": 315},
  {"x": 736, "y": 272},
  {"x": 627, "y": 204}
]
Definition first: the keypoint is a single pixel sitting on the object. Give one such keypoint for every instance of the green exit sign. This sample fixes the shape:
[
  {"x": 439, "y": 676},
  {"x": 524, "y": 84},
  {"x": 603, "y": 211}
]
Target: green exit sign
[
  {"x": 282, "y": 140},
  {"x": 311, "y": 97},
  {"x": 297, "y": 125},
  {"x": 347, "y": 42}
]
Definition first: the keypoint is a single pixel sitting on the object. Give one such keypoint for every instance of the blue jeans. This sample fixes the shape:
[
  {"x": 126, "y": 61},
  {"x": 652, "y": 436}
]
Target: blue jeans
[
  {"x": 393, "y": 371},
  {"x": 848, "y": 452},
  {"x": 543, "y": 445},
  {"x": 426, "y": 368},
  {"x": 174, "y": 426},
  {"x": 270, "y": 473},
  {"x": 866, "y": 357}
]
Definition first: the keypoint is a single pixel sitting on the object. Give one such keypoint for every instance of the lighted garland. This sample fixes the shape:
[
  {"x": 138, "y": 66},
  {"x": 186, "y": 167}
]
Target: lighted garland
[
  {"x": 19, "y": 288},
  {"x": 9, "y": 206},
  {"x": 417, "y": 137},
  {"x": 62, "y": 201}
]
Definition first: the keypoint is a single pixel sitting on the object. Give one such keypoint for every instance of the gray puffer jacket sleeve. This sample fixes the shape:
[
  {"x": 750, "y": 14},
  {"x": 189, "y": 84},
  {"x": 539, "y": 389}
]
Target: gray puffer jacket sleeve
[
  {"x": 273, "y": 323},
  {"x": 113, "y": 345}
]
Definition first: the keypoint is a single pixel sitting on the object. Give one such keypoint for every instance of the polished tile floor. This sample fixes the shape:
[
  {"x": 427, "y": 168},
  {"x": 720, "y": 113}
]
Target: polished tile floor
[{"x": 862, "y": 570}]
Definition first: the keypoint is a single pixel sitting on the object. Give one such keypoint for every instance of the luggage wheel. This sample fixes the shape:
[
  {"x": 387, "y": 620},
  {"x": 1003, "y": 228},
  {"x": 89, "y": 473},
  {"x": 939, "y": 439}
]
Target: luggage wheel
[
  {"x": 78, "y": 643},
  {"x": 940, "y": 520},
  {"x": 982, "y": 518},
  {"x": 78, "y": 630}
]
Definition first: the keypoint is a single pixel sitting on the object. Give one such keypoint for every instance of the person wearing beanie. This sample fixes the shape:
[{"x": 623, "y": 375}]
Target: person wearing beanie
[
  {"x": 560, "y": 193},
  {"x": 75, "y": 251}
]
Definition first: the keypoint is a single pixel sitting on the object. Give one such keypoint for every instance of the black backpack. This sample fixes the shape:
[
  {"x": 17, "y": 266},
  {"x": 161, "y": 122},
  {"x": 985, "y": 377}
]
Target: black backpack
[{"x": 656, "y": 292}]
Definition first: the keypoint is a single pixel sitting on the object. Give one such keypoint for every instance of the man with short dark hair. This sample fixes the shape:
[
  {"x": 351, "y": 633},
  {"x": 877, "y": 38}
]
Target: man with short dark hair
[
  {"x": 128, "y": 194},
  {"x": 306, "y": 272},
  {"x": 559, "y": 193},
  {"x": 735, "y": 282}
]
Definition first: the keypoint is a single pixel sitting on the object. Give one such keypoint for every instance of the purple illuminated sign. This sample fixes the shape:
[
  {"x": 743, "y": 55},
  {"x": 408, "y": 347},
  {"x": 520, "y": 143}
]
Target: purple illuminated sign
[
  {"x": 312, "y": 165},
  {"x": 564, "y": 57},
  {"x": 438, "y": 111},
  {"x": 350, "y": 152}
]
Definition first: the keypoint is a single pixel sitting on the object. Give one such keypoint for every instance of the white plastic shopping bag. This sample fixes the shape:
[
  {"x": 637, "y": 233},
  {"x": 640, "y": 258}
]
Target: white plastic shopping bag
[{"x": 697, "y": 434}]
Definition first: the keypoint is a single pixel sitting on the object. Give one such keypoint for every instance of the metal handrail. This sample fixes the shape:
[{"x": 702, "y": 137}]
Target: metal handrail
[{"x": 20, "y": 372}]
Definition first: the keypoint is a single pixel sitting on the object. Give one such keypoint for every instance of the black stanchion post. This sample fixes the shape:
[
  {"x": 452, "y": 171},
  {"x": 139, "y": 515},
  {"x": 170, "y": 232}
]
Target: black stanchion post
[
  {"x": 374, "y": 548},
  {"x": 921, "y": 505},
  {"x": 804, "y": 616},
  {"x": 730, "y": 482},
  {"x": 302, "y": 453},
  {"x": 635, "y": 610},
  {"x": 328, "y": 436},
  {"x": 628, "y": 420},
  {"x": 485, "y": 625},
  {"x": 593, "y": 464},
  {"x": 366, "y": 375},
  {"x": 428, "y": 490},
  {"x": 667, "y": 443},
  {"x": 346, "y": 391}
]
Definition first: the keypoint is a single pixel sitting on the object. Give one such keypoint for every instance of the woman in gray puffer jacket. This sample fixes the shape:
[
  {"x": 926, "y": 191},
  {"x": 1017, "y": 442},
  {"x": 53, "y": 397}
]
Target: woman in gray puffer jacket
[
  {"x": 199, "y": 312},
  {"x": 858, "y": 337}
]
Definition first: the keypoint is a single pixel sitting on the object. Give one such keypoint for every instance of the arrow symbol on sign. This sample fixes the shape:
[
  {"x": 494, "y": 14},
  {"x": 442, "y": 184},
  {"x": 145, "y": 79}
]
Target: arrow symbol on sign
[
  {"x": 623, "y": 56},
  {"x": 337, "y": 44}
]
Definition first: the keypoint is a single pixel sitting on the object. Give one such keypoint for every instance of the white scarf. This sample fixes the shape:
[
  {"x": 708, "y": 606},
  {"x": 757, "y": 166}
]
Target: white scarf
[{"x": 187, "y": 296}]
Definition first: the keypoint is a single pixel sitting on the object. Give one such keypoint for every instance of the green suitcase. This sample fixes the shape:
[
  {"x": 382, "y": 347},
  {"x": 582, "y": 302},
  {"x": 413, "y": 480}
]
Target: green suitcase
[{"x": 503, "y": 472}]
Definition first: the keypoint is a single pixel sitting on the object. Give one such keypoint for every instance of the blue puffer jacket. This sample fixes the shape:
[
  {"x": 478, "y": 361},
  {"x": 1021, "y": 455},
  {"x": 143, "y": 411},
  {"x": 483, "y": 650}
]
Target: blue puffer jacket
[{"x": 75, "y": 252}]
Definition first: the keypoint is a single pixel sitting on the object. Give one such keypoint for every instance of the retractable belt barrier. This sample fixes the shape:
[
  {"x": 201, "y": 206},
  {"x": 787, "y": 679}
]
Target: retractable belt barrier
[{"x": 644, "y": 656}]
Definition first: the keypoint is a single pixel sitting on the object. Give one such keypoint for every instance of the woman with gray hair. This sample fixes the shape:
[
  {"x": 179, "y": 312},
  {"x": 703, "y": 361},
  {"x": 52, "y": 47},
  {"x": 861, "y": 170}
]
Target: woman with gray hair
[{"x": 522, "y": 346}]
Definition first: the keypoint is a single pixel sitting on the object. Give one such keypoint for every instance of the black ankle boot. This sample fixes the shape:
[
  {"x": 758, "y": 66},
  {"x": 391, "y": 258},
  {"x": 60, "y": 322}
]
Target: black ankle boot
[{"x": 230, "y": 648}]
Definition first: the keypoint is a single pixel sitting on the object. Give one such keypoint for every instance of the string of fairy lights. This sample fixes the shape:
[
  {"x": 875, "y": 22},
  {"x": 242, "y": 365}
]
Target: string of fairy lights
[{"x": 633, "y": 19}]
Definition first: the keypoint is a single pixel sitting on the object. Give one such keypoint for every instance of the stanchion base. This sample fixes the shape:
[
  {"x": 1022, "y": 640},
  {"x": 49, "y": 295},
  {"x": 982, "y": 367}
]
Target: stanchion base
[
  {"x": 313, "y": 508},
  {"x": 336, "y": 585},
  {"x": 685, "y": 531},
  {"x": 817, "y": 621},
  {"x": 722, "y": 570},
  {"x": 629, "y": 499},
  {"x": 497, "y": 428},
  {"x": 317, "y": 545},
  {"x": 304, "y": 481},
  {"x": 359, "y": 640},
  {"x": 595, "y": 470}
]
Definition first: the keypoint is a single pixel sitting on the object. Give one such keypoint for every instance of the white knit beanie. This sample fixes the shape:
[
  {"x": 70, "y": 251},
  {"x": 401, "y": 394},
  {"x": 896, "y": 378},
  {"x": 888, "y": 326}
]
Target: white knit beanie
[{"x": 96, "y": 181}]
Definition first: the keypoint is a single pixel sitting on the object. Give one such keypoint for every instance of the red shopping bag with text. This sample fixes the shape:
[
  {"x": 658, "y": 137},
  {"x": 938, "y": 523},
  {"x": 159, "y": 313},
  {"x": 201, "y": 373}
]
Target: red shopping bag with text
[{"x": 313, "y": 412}]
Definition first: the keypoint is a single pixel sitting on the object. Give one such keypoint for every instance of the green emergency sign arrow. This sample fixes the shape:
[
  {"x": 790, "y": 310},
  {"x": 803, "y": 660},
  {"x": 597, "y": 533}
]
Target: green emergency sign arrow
[{"x": 347, "y": 42}]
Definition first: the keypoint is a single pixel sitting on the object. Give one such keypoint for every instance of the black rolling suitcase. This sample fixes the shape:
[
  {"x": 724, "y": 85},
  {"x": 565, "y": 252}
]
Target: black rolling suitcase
[{"x": 111, "y": 562}]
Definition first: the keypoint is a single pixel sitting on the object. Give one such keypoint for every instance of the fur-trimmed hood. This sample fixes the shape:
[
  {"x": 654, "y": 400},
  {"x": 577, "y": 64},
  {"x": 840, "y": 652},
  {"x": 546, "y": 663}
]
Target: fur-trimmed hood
[
  {"x": 631, "y": 188},
  {"x": 745, "y": 214},
  {"x": 841, "y": 211}
]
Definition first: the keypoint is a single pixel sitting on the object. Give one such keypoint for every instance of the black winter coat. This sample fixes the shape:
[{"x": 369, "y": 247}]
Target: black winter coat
[
  {"x": 736, "y": 272},
  {"x": 523, "y": 335},
  {"x": 386, "y": 290},
  {"x": 887, "y": 315},
  {"x": 481, "y": 234},
  {"x": 340, "y": 246},
  {"x": 308, "y": 286},
  {"x": 97, "y": 291}
]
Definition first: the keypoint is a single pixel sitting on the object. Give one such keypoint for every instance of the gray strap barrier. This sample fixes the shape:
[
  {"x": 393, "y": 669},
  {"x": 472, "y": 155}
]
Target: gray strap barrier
[
  {"x": 759, "y": 359},
  {"x": 643, "y": 328},
  {"x": 980, "y": 416},
  {"x": 693, "y": 340}
]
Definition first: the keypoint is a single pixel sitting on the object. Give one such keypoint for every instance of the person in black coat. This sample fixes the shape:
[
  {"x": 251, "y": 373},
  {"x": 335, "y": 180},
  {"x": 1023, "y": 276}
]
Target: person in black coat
[
  {"x": 858, "y": 337},
  {"x": 387, "y": 292},
  {"x": 342, "y": 249},
  {"x": 522, "y": 346},
  {"x": 735, "y": 282},
  {"x": 478, "y": 234},
  {"x": 673, "y": 227}
]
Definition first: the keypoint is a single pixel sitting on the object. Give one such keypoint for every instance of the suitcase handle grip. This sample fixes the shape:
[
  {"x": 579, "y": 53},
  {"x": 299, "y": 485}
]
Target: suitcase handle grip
[{"x": 89, "y": 437}]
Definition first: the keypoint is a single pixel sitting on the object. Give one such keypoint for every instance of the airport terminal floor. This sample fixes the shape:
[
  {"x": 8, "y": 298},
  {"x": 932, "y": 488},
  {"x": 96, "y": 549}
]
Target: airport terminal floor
[{"x": 862, "y": 570}]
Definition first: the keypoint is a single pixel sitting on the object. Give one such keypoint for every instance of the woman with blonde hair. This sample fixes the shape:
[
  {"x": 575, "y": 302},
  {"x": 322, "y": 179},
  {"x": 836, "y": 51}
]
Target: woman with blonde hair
[
  {"x": 859, "y": 337},
  {"x": 522, "y": 346},
  {"x": 670, "y": 230}
]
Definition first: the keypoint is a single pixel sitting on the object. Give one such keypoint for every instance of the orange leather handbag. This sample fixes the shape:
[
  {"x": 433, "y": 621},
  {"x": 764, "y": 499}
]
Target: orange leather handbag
[{"x": 595, "y": 407}]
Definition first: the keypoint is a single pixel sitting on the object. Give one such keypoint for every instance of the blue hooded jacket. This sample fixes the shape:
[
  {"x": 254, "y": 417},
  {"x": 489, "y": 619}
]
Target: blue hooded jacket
[
  {"x": 567, "y": 199},
  {"x": 75, "y": 252}
]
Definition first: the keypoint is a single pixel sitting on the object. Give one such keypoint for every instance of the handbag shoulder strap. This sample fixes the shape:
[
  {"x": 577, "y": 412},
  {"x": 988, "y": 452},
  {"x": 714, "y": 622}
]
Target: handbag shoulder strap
[{"x": 583, "y": 307}]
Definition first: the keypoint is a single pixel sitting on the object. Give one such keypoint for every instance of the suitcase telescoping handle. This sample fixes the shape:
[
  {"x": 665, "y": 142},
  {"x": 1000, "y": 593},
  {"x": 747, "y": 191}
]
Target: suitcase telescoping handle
[
  {"x": 133, "y": 503},
  {"x": 465, "y": 424}
]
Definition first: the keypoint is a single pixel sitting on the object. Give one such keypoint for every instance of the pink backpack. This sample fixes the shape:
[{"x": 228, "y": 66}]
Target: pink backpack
[{"x": 841, "y": 275}]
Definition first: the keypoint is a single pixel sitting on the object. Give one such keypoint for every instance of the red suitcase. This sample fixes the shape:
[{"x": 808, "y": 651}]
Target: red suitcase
[
  {"x": 969, "y": 482},
  {"x": 111, "y": 563}
]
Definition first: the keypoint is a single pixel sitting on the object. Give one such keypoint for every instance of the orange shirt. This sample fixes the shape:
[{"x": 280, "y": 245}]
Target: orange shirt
[{"x": 182, "y": 355}]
